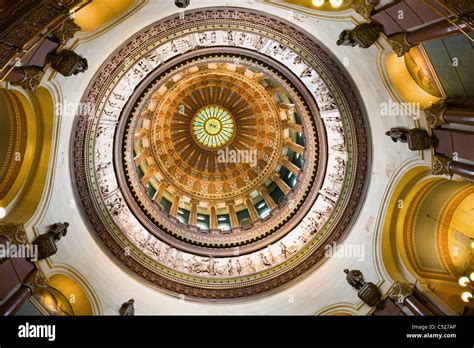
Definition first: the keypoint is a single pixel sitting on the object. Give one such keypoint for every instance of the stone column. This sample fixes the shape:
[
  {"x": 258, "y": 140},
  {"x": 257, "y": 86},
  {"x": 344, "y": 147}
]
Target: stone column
[
  {"x": 251, "y": 208},
  {"x": 402, "y": 42},
  {"x": 26, "y": 77},
  {"x": 175, "y": 205},
  {"x": 193, "y": 213},
  {"x": 142, "y": 133},
  {"x": 460, "y": 116},
  {"x": 234, "y": 221},
  {"x": 442, "y": 112},
  {"x": 268, "y": 199},
  {"x": 294, "y": 126},
  {"x": 17, "y": 74},
  {"x": 16, "y": 301},
  {"x": 290, "y": 166},
  {"x": 142, "y": 156},
  {"x": 443, "y": 165},
  {"x": 464, "y": 170},
  {"x": 161, "y": 190},
  {"x": 281, "y": 184},
  {"x": 295, "y": 147},
  {"x": 148, "y": 175},
  {"x": 403, "y": 294},
  {"x": 213, "y": 216},
  {"x": 436, "y": 30},
  {"x": 35, "y": 281}
]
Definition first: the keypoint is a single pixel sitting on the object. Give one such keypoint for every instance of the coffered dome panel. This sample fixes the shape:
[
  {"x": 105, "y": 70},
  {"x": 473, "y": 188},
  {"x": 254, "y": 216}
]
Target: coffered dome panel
[{"x": 219, "y": 161}]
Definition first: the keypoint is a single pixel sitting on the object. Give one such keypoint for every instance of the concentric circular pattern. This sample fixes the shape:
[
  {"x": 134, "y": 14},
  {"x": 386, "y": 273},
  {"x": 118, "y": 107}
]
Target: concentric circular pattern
[
  {"x": 203, "y": 185},
  {"x": 213, "y": 127},
  {"x": 183, "y": 163},
  {"x": 160, "y": 165}
]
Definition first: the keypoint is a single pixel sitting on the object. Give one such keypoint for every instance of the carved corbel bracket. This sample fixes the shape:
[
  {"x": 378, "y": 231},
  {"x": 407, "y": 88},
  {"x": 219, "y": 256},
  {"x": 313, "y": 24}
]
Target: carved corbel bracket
[
  {"x": 15, "y": 234},
  {"x": 434, "y": 114},
  {"x": 441, "y": 165},
  {"x": 36, "y": 281},
  {"x": 32, "y": 76},
  {"x": 399, "y": 43},
  {"x": 400, "y": 291},
  {"x": 66, "y": 30},
  {"x": 363, "y": 7}
]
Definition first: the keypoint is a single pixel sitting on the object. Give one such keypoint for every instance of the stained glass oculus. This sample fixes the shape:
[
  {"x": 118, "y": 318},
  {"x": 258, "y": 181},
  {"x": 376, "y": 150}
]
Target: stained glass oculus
[{"x": 213, "y": 126}]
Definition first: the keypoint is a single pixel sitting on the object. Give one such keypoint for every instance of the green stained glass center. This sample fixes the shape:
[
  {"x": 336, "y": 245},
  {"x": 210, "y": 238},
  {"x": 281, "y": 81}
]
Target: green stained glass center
[{"x": 213, "y": 126}]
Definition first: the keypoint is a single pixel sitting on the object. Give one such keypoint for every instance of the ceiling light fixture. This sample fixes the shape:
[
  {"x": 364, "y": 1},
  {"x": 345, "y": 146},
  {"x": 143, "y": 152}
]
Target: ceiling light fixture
[
  {"x": 466, "y": 296},
  {"x": 463, "y": 281},
  {"x": 336, "y": 3},
  {"x": 3, "y": 213},
  {"x": 318, "y": 3}
]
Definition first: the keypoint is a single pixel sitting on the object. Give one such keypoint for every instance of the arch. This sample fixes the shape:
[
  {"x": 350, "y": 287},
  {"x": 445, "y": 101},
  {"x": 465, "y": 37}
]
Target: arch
[
  {"x": 401, "y": 71},
  {"x": 24, "y": 191},
  {"x": 64, "y": 296},
  {"x": 51, "y": 301},
  {"x": 100, "y": 12},
  {"x": 70, "y": 282},
  {"x": 339, "y": 309},
  {"x": 425, "y": 239},
  {"x": 13, "y": 136}
]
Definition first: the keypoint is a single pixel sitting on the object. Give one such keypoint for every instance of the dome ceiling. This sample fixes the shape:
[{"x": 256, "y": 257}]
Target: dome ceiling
[{"x": 219, "y": 162}]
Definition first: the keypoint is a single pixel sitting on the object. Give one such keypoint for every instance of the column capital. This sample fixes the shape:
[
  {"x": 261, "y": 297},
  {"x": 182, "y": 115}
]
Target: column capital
[
  {"x": 400, "y": 291},
  {"x": 399, "y": 43},
  {"x": 230, "y": 202},
  {"x": 363, "y": 7},
  {"x": 15, "y": 234},
  {"x": 286, "y": 106},
  {"x": 31, "y": 77},
  {"x": 441, "y": 165},
  {"x": 248, "y": 196},
  {"x": 434, "y": 114},
  {"x": 36, "y": 280}
]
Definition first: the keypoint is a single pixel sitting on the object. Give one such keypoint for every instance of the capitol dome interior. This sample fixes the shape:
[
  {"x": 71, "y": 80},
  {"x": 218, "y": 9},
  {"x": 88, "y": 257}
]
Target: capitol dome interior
[{"x": 252, "y": 157}]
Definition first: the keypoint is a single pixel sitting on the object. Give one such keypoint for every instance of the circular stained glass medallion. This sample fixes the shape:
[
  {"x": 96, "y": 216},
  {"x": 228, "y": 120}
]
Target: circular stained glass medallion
[{"x": 213, "y": 127}]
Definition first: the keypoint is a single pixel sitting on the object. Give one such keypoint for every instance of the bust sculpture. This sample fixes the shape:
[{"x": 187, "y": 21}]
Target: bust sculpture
[
  {"x": 67, "y": 62},
  {"x": 368, "y": 292},
  {"x": 417, "y": 139},
  {"x": 127, "y": 308},
  {"x": 345, "y": 39},
  {"x": 47, "y": 242},
  {"x": 182, "y": 3},
  {"x": 398, "y": 134},
  {"x": 58, "y": 230},
  {"x": 354, "y": 278}
]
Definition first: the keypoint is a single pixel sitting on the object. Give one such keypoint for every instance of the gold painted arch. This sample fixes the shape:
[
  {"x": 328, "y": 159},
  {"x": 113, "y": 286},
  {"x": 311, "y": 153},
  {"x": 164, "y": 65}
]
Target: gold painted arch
[{"x": 427, "y": 235}]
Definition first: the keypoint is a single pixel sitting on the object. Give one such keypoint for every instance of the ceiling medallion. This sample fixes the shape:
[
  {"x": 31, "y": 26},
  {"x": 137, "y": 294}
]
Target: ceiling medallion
[
  {"x": 213, "y": 127},
  {"x": 147, "y": 171}
]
